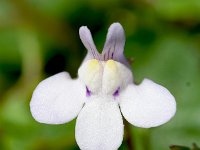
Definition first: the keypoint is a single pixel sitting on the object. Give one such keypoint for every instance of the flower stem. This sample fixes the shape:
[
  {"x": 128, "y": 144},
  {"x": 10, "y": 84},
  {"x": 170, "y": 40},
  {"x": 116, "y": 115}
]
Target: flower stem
[
  {"x": 129, "y": 137},
  {"x": 146, "y": 139}
]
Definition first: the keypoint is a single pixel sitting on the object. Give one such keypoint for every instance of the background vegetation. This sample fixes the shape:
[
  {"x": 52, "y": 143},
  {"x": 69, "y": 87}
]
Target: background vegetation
[{"x": 39, "y": 38}]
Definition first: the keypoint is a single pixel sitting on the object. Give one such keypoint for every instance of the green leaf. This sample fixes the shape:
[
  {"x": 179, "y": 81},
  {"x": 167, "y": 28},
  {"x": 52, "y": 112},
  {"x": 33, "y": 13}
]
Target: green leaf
[
  {"x": 175, "y": 147},
  {"x": 195, "y": 147}
]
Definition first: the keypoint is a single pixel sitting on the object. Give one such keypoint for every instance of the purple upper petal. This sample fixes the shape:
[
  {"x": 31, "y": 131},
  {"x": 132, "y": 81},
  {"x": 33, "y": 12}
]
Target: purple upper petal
[{"x": 113, "y": 48}]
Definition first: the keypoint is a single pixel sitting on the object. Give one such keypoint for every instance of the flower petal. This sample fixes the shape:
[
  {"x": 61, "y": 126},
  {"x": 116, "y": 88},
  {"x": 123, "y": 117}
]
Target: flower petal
[
  {"x": 147, "y": 105},
  {"x": 99, "y": 126},
  {"x": 57, "y": 99},
  {"x": 114, "y": 45},
  {"x": 86, "y": 38}
]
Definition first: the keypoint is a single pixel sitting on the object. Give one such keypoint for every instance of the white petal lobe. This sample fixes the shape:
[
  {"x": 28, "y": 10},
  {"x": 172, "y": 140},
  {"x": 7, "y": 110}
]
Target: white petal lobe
[
  {"x": 57, "y": 99},
  {"x": 99, "y": 126},
  {"x": 147, "y": 105}
]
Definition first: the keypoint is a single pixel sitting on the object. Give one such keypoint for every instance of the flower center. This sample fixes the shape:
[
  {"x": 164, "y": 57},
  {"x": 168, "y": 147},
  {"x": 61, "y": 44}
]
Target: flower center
[{"x": 104, "y": 77}]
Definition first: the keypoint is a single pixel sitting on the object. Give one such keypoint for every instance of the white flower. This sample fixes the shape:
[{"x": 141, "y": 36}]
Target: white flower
[{"x": 104, "y": 87}]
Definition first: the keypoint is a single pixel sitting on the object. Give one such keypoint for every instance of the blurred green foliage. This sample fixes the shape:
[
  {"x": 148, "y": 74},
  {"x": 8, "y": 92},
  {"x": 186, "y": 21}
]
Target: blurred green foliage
[
  {"x": 40, "y": 38},
  {"x": 175, "y": 147}
]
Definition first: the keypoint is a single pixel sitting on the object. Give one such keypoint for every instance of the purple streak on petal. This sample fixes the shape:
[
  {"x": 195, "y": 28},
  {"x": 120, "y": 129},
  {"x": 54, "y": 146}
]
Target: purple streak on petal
[
  {"x": 88, "y": 92},
  {"x": 108, "y": 54},
  {"x": 116, "y": 93}
]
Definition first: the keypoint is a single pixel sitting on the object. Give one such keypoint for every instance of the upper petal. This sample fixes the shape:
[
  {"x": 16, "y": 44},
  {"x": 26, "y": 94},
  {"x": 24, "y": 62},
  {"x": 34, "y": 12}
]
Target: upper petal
[
  {"x": 57, "y": 99},
  {"x": 147, "y": 105},
  {"x": 99, "y": 126},
  {"x": 87, "y": 40},
  {"x": 114, "y": 45}
]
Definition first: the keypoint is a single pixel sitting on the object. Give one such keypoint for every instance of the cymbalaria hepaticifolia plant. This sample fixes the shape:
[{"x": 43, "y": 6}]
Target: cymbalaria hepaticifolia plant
[{"x": 104, "y": 87}]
